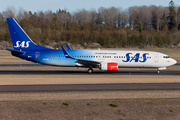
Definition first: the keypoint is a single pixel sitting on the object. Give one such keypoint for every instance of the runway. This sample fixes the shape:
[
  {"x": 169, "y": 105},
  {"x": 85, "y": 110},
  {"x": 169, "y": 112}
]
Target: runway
[
  {"x": 89, "y": 87},
  {"x": 85, "y": 87},
  {"x": 37, "y": 65},
  {"x": 79, "y": 72},
  {"x": 82, "y": 72}
]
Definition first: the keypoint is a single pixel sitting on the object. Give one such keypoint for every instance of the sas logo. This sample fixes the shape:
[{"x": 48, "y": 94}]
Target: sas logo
[
  {"x": 135, "y": 58},
  {"x": 22, "y": 44}
]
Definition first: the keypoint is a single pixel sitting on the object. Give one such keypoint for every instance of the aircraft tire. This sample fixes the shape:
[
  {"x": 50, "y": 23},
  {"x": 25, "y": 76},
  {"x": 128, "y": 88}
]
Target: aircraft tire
[{"x": 90, "y": 70}]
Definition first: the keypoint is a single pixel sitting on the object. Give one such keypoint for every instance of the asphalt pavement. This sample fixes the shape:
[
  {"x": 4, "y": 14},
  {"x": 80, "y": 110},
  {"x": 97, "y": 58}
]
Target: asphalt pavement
[{"x": 89, "y": 87}]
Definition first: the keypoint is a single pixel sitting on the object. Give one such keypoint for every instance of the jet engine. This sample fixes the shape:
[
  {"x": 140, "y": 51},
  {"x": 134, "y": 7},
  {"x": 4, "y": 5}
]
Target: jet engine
[{"x": 111, "y": 66}]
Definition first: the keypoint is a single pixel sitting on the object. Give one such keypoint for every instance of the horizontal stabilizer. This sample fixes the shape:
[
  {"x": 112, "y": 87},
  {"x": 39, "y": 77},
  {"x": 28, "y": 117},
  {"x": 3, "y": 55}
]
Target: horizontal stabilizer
[{"x": 16, "y": 51}]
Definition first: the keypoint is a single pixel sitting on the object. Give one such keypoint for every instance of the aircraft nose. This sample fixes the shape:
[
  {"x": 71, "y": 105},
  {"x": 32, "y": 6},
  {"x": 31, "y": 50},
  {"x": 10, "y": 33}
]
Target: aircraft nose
[{"x": 173, "y": 61}]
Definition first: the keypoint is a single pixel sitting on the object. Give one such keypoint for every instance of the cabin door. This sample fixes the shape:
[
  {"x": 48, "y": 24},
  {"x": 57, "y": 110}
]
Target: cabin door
[
  {"x": 37, "y": 56},
  {"x": 156, "y": 58}
]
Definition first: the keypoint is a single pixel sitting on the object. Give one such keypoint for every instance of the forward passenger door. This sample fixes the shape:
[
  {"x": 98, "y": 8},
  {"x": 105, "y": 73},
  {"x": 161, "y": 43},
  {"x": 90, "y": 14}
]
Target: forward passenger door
[{"x": 156, "y": 57}]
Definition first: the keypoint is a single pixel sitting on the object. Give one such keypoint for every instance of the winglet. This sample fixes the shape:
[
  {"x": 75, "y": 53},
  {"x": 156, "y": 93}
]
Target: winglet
[
  {"x": 66, "y": 54},
  {"x": 69, "y": 48}
]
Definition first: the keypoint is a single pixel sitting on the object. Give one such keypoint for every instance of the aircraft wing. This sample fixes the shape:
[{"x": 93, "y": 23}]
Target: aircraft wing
[
  {"x": 80, "y": 60},
  {"x": 16, "y": 51}
]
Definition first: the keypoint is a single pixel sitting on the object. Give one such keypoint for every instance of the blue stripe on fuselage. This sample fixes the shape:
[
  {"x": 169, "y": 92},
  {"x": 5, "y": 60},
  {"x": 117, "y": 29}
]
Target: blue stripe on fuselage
[{"x": 56, "y": 57}]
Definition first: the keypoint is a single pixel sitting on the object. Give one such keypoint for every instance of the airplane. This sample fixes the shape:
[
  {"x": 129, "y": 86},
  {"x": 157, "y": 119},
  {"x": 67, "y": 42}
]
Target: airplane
[{"x": 105, "y": 60}]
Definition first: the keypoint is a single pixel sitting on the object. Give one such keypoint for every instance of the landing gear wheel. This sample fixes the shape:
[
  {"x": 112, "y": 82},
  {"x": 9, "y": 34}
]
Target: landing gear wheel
[{"x": 90, "y": 70}]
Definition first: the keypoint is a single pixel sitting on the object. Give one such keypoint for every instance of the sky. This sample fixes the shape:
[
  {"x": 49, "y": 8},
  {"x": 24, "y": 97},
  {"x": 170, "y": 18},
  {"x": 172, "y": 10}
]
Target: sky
[{"x": 74, "y": 5}]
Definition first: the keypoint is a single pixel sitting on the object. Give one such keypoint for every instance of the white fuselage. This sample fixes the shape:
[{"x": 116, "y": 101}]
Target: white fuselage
[
  {"x": 139, "y": 59},
  {"x": 124, "y": 58}
]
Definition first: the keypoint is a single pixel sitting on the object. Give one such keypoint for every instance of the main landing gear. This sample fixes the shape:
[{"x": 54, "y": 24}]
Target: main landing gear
[{"x": 90, "y": 70}]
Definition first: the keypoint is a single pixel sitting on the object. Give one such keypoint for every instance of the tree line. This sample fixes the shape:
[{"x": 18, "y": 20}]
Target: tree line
[{"x": 137, "y": 26}]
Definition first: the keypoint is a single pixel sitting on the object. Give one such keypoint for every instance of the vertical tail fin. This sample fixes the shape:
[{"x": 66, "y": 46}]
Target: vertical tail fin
[{"x": 20, "y": 39}]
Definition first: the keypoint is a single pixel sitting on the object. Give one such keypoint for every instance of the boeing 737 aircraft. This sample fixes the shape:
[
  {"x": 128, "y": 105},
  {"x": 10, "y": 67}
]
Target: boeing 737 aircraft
[{"x": 106, "y": 60}]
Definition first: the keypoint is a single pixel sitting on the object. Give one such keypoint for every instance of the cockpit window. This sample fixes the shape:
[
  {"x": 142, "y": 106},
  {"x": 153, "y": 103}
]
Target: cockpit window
[{"x": 166, "y": 57}]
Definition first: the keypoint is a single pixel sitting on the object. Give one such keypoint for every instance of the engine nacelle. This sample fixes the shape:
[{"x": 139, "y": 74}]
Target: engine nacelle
[{"x": 111, "y": 66}]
